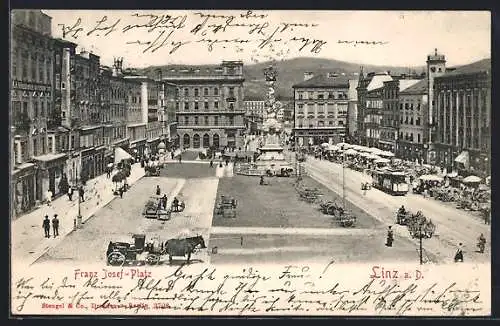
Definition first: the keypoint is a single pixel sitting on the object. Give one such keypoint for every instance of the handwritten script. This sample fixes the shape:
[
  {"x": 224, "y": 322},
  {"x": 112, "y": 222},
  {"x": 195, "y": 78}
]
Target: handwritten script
[
  {"x": 209, "y": 290},
  {"x": 244, "y": 31}
]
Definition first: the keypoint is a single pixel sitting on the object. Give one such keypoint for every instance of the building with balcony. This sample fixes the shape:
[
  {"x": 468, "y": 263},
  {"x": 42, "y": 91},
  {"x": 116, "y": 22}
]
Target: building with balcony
[
  {"x": 370, "y": 107},
  {"x": 389, "y": 125},
  {"x": 413, "y": 118},
  {"x": 462, "y": 112},
  {"x": 320, "y": 109},
  {"x": 86, "y": 117},
  {"x": 34, "y": 167},
  {"x": 209, "y": 105}
]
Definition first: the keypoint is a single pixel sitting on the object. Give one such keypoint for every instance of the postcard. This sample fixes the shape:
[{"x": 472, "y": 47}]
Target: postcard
[{"x": 250, "y": 162}]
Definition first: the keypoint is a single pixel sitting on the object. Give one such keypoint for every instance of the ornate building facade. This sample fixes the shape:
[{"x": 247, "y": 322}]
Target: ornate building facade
[
  {"x": 209, "y": 105},
  {"x": 320, "y": 109}
]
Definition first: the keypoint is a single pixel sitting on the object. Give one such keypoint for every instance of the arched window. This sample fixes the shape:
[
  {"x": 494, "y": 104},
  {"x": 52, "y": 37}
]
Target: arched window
[
  {"x": 186, "y": 140},
  {"x": 196, "y": 141},
  {"x": 206, "y": 141},
  {"x": 216, "y": 141}
]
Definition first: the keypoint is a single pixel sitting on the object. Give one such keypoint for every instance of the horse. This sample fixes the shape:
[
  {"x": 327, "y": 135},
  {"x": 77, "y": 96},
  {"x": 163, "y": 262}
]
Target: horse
[{"x": 183, "y": 247}]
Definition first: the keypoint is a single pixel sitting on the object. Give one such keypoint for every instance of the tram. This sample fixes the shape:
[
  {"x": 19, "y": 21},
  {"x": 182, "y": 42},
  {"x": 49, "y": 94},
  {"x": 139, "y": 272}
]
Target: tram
[{"x": 391, "y": 181}]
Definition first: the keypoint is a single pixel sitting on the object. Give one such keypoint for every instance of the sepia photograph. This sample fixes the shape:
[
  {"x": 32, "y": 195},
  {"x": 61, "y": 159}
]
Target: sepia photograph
[{"x": 250, "y": 162}]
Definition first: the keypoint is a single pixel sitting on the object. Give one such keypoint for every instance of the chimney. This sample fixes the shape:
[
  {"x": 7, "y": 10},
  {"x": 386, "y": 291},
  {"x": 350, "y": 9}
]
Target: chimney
[{"x": 308, "y": 75}]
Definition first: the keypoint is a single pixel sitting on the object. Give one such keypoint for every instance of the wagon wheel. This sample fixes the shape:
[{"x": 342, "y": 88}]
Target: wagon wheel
[
  {"x": 116, "y": 258},
  {"x": 348, "y": 222},
  {"x": 152, "y": 259},
  {"x": 331, "y": 209}
]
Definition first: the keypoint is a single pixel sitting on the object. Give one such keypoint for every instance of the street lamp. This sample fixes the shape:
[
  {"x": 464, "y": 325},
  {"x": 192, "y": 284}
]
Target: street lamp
[{"x": 421, "y": 228}]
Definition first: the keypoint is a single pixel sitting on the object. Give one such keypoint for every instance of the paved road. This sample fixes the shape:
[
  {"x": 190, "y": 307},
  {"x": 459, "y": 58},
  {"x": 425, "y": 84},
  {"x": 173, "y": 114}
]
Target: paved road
[
  {"x": 453, "y": 225},
  {"x": 122, "y": 218}
]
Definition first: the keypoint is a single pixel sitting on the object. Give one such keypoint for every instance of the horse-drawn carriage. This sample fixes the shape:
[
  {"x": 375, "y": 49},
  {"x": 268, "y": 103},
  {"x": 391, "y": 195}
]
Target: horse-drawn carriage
[
  {"x": 226, "y": 206},
  {"x": 342, "y": 217},
  {"x": 309, "y": 195},
  {"x": 124, "y": 253},
  {"x": 156, "y": 208},
  {"x": 152, "y": 171},
  {"x": 418, "y": 225}
]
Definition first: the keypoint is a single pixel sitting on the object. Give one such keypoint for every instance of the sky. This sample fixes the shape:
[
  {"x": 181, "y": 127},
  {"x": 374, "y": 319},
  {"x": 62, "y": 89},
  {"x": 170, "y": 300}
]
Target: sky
[{"x": 396, "y": 38}]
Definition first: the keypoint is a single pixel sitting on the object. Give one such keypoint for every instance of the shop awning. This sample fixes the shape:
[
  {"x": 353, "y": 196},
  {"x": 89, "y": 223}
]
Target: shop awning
[
  {"x": 463, "y": 158},
  {"x": 121, "y": 154},
  {"x": 49, "y": 157}
]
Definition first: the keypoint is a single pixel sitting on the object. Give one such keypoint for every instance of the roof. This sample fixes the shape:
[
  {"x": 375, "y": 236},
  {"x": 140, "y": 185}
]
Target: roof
[
  {"x": 475, "y": 67},
  {"x": 324, "y": 81},
  {"x": 405, "y": 83},
  {"x": 418, "y": 88},
  {"x": 377, "y": 81}
]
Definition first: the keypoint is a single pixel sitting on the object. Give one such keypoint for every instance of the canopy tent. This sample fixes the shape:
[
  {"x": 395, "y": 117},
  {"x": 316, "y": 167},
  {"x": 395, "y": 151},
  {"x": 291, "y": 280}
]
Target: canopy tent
[
  {"x": 381, "y": 160},
  {"x": 472, "y": 179},
  {"x": 350, "y": 152},
  {"x": 430, "y": 177},
  {"x": 364, "y": 154},
  {"x": 452, "y": 175},
  {"x": 344, "y": 145},
  {"x": 463, "y": 159},
  {"x": 121, "y": 154},
  {"x": 333, "y": 148},
  {"x": 364, "y": 149},
  {"x": 357, "y": 147},
  {"x": 325, "y": 145}
]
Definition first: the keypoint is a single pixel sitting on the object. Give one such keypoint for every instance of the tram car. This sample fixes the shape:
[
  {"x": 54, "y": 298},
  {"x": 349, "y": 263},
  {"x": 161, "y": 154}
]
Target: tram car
[{"x": 391, "y": 181}]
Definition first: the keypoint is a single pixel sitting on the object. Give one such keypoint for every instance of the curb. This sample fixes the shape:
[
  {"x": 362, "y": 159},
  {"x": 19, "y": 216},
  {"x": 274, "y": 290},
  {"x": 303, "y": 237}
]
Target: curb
[{"x": 84, "y": 219}]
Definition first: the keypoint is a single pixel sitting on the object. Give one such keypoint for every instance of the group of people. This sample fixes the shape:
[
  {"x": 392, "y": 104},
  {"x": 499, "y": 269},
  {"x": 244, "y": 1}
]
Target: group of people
[
  {"x": 81, "y": 193},
  {"x": 162, "y": 203},
  {"x": 55, "y": 226}
]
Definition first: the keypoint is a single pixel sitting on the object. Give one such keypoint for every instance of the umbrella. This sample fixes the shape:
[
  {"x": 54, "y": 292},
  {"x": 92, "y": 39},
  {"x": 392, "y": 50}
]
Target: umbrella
[
  {"x": 364, "y": 154},
  {"x": 357, "y": 147},
  {"x": 118, "y": 177},
  {"x": 381, "y": 160},
  {"x": 430, "y": 177},
  {"x": 325, "y": 145},
  {"x": 471, "y": 179},
  {"x": 333, "y": 148},
  {"x": 373, "y": 157},
  {"x": 351, "y": 152},
  {"x": 386, "y": 154},
  {"x": 364, "y": 149},
  {"x": 110, "y": 165},
  {"x": 452, "y": 175}
]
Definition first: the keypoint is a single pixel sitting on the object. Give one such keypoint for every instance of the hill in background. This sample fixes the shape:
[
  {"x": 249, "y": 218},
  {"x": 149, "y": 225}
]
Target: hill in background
[{"x": 290, "y": 72}]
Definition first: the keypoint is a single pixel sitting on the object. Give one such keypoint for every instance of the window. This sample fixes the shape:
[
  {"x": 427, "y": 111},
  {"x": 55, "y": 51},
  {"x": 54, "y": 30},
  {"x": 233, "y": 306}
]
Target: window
[
  {"x": 417, "y": 122},
  {"x": 216, "y": 121},
  {"x": 186, "y": 106},
  {"x": 231, "y": 107},
  {"x": 186, "y": 121},
  {"x": 320, "y": 96},
  {"x": 231, "y": 92},
  {"x": 330, "y": 123},
  {"x": 216, "y": 105},
  {"x": 341, "y": 122},
  {"x": 196, "y": 106},
  {"x": 24, "y": 64},
  {"x": 35, "y": 109},
  {"x": 216, "y": 91},
  {"x": 418, "y": 138},
  {"x": 310, "y": 95},
  {"x": 231, "y": 121},
  {"x": 186, "y": 91},
  {"x": 196, "y": 121},
  {"x": 205, "y": 91},
  {"x": 206, "y": 121},
  {"x": 35, "y": 147},
  {"x": 196, "y": 92},
  {"x": 41, "y": 69},
  {"x": 206, "y": 105},
  {"x": 301, "y": 96},
  {"x": 33, "y": 66},
  {"x": 177, "y": 106}
]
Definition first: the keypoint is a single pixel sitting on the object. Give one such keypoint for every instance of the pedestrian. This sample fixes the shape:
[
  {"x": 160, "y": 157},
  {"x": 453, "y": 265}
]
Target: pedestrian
[
  {"x": 121, "y": 192},
  {"x": 211, "y": 163},
  {"x": 70, "y": 193},
  {"x": 390, "y": 237},
  {"x": 180, "y": 158},
  {"x": 172, "y": 154},
  {"x": 55, "y": 225},
  {"x": 108, "y": 172},
  {"x": 48, "y": 197},
  {"x": 46, "y": 226},
  {"x": 459, "y": 255},
  {"x": 81, "y": 193},
  {"x": 158, "y": 190},
  {"x": 164, "y": 201}
]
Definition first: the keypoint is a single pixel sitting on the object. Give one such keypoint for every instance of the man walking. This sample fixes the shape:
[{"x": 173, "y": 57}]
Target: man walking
[
  {"x": 121, "y": 192},
  {"x": 459, "y": 255},
  {"x": 70, "y": 193},
  {"x": 55, "y": 225},
  {"x": 180, "y": 158},
  {"x": 81, "y": 193},
  {"x": 46, "y": 226},
  {"x": 48, "y": 197}
]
